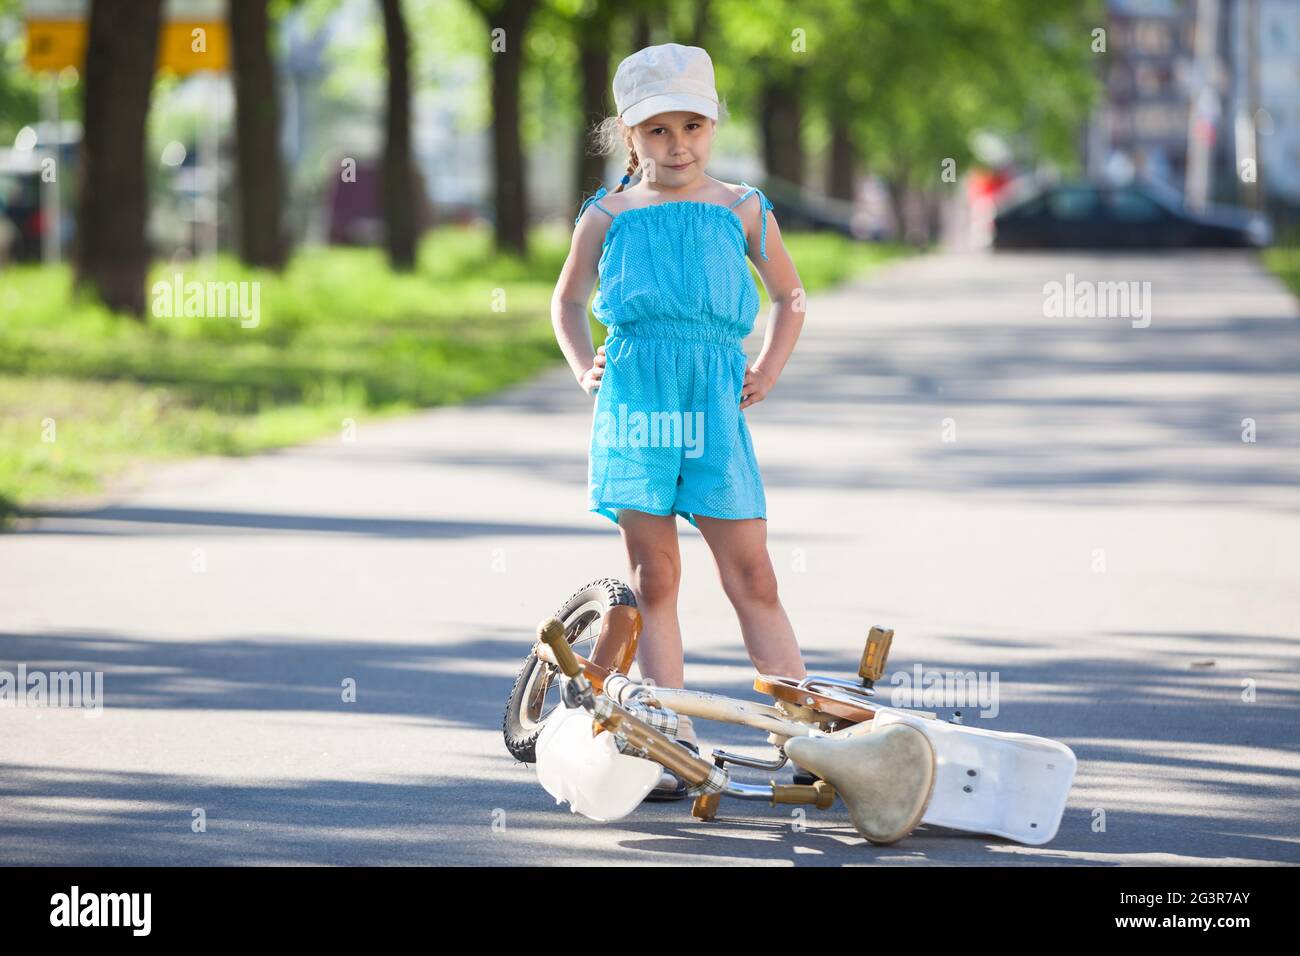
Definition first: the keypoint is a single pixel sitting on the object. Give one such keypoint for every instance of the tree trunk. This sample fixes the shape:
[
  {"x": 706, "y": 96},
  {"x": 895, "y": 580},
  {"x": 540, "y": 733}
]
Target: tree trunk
[
  {"x": 593, "y": 60},
  {"x": 934, "y": 216},
  {"x": 398, "y": 168},
  {"x": 508, "y": 154},
  {"x": 840, "y": 182},
  {"x": 262, "y": 241},
  {"x": 897, "y": 189},
  {"x": 641, "y": 31},
  {"x": 112, "y": 248},
  {"x": 782, "y": 123},
  {"x": 701, "y": 24}
]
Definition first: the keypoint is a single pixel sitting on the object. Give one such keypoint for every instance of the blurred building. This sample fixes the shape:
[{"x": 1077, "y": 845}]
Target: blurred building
[
  {"x": 1195, "y": 87},
  {"x": 1265, "y": 99}
]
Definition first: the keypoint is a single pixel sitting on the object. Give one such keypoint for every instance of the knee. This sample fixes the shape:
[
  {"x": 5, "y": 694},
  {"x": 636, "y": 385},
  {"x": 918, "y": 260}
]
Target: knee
[
  {"x": 656, "y": 576},
  {"x": 751, "y": 583}
]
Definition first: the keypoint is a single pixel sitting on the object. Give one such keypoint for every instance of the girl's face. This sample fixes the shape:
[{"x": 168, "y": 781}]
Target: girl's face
[{"x": 674, "y": 147}]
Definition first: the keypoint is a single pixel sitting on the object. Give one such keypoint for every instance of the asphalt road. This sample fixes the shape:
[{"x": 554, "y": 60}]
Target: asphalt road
[{"x": 1094, "y": 531}]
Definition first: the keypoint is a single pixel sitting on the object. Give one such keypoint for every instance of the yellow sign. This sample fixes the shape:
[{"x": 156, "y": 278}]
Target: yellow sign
[
  {"x": 191, "y": 47},
  {"x": 54, "y": 44},
  {"x": 184, "y": 47}
]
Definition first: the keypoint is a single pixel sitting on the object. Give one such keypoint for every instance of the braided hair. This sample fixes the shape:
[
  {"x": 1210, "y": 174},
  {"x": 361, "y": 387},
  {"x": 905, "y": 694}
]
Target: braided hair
[{"x": 607, "y": 136}]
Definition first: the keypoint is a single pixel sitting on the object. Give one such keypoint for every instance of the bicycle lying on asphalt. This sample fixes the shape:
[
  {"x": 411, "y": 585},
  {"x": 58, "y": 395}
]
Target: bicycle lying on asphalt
[{"x": 599, "y": 739}]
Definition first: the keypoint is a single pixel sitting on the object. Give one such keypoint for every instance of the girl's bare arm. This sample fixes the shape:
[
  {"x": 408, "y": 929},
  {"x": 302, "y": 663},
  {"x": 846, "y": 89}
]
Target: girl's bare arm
[
  {"x": 573, "y": 293},
  {"x": 789, "y": 303}
]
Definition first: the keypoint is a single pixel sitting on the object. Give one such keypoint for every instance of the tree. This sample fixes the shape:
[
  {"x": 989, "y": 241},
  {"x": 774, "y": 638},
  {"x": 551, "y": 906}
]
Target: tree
[
  {"x": 592, "y": 33},
  {"x": 398, "y": 169},
  {"x": 841, "y": 162},
  {"x": 507, "y": 22},
  {"x": 1016, "y": 66},
  {"x": 262, "y": 240},
  {"x": 19, "y": 97},
  {"x": 767, "y": 58},
  {"x": 112, "y": 250},
  {"x": 781, "y": 110}
]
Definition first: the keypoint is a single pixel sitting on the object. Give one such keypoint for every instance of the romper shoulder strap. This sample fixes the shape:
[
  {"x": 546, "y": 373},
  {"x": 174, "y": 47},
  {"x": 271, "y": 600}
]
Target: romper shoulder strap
[
  {"x": 766, "y": 204},
  {"x": 600, "y": 194}
]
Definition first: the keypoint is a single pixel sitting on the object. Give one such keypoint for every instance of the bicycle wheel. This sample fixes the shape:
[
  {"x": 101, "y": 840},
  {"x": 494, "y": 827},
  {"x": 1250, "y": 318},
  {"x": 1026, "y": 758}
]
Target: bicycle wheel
[{"x": 537, "y": 689}]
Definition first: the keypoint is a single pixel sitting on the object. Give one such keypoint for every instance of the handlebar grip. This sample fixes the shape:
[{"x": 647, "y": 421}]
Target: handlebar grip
[{"x": 551, "y": 632}]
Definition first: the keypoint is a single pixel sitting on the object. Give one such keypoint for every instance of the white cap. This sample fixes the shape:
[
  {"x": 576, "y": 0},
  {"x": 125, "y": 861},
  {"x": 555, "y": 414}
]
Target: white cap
[{"x": 662, "y": 79}]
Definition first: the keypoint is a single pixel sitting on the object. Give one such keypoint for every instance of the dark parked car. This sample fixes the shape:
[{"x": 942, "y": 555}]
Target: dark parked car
[
  {"x": 20, "y": 204},
  {"x": 1088, "y": 215},
  {"x": 24, "y": 223}
]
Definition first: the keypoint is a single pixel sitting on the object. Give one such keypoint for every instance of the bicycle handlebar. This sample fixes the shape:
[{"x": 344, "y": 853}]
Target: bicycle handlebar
[
  {"x": 661, "y": 748},
  {"x": 551, "y": 633}
]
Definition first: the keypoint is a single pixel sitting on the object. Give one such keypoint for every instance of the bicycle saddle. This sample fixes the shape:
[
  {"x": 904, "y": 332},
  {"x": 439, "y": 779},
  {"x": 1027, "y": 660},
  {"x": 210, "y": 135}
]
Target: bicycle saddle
[{"x": 885, "y": 777}]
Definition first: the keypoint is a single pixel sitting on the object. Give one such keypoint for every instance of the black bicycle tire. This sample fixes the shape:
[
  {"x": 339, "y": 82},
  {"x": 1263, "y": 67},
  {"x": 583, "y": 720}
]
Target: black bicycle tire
[{"x": 520, "y": 740}]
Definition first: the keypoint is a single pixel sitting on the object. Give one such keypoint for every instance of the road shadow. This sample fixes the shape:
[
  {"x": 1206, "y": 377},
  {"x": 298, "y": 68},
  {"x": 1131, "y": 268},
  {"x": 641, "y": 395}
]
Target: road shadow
[
  {"x": 125, "y": 519},
  {"x": 1149, "y": 738}
]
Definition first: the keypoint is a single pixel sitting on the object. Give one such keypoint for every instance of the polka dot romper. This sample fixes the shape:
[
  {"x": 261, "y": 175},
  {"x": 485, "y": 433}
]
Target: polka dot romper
[{"x": 678, "y": 299}]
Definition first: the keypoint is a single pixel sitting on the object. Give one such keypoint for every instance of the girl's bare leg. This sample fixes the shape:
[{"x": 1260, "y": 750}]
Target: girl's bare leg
[
  {"x": 656, "y": 564},
  {"x": 740, "y": 549}
]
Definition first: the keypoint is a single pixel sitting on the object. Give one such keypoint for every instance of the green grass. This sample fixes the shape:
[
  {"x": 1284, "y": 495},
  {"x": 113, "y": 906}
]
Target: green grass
[
  {"x": 825, "y": 260},
  {"x": 85, "y": 394},
  {"x": 1284, "y": 259}
]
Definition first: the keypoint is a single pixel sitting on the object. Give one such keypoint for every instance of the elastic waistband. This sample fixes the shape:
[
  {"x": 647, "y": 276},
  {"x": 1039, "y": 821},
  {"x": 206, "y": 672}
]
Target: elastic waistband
[{"x": 678, "y": 332}]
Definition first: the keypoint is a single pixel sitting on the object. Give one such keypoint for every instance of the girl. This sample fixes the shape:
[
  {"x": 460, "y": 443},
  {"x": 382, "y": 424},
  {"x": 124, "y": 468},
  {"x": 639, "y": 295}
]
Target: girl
[{"x": 678, "y": 300}]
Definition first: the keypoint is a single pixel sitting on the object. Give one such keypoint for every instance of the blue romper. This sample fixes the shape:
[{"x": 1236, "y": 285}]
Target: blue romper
[{"x": 678, "y": 299}]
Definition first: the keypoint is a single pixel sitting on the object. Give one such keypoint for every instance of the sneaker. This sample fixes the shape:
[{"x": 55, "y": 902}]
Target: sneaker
[
  {"x": 804, "y": 778},
  {"x": 671, "y": 786}
]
